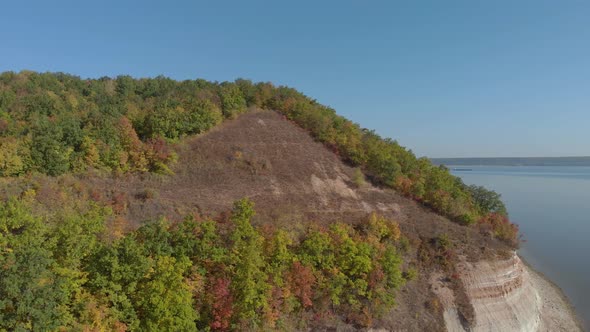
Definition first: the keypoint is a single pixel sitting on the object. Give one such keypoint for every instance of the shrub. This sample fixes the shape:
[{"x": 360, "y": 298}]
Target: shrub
[
  {"x": 358, "y": 178},
  {"x": 147, "y": 194},
  {"x": 410, "y": 274},
  {"x": 498, "y": 225}
]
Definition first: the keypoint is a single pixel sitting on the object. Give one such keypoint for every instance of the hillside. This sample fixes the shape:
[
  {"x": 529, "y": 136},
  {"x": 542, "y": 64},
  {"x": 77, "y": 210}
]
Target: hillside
[
  {"x": 56, "y": 123},
  {"x": 263, "y": 156},
  {"x": 258, "y": 207},
  {"x": 293, "y": 181}
]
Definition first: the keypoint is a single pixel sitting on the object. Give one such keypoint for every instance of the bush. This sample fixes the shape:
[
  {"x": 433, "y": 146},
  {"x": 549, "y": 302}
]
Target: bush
[
  {"x": 410, "y": 274},
  {"x": 358, "y": 178},
  {"x": 147, "y": 194},
  {"x": 498, "y": 225}
]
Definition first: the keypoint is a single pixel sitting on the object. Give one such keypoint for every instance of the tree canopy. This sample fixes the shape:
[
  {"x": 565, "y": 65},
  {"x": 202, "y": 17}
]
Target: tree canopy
[{"x": 62, "y": 273}]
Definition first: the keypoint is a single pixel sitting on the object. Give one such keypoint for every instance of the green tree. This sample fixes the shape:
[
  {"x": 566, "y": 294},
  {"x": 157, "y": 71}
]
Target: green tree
[
  {"x": 232, "y": 100},
  {"x": 155, "y": 238},
  {"x": 202, "y": 115},
  {"x": 487, "y": 201},
  {"x": 49, "y": 154},
  {"x": 31, "y": 294},
  {"x": 114, "y": 273},
  {"x": 249, "y": 284},
  {"x": 279, "y": 256},
  {"x": 163, "y": 300},
  {"x": 199, "y": 241},
  {"x": 317, "y": 250},
  {"x": 77, "y": 234},
  {"x": 12, "y": 157}
]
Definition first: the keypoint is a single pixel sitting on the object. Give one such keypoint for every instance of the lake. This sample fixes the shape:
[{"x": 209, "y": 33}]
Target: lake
[{"x": 551, "y": 205}]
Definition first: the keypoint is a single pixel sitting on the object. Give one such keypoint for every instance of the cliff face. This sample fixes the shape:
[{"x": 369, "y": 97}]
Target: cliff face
[
  {"x": 505, "y": 297},
  {"x": 502, "y": 295}
]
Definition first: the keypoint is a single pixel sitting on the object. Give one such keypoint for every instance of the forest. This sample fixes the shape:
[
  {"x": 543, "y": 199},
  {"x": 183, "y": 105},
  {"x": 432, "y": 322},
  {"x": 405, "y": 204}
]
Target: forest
[
  {"x": 60, "y": 270},
  {"x": 63, "y": 273}
]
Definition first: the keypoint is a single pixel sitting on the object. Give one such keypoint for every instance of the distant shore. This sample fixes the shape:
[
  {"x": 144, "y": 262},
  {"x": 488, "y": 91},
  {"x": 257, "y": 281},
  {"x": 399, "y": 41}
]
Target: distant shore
[
  {"x": 557, "y": 313},
  {"x": 515, "y": 161}
]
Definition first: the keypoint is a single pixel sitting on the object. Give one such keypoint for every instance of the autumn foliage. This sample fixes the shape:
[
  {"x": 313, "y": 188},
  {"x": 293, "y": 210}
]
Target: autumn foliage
[
  {"x": 302, "y": 282},
  {"x": 193, "y": 275},
  {"x": 221, "y": 305},
  {"x": 498, "y": 225}
]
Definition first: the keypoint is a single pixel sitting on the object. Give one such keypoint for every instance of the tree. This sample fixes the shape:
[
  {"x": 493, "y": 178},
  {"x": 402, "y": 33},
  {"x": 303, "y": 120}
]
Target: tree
[
  {"x": 163, "y": 300},
  {"x": 279, "y": 255},
  {"x": 155, "y": 238},
  {"x": 302, "y": 281},
  {"x": 114, "y": 272},
  {"x": 249, "y": 284},
  {"x": 232, "y": 100},
  {"x": 76, "y": 236},
  {"x": 354, "y": 263},
  {"x": 487, "y": 201},
  {"x": 132, "y": 145},
  {"x": 11, "y": 157},
  {"x": 159, "y": 156},
  {"x": 125, "y": 85},
  {"x": 499, "y": 226},
  {"x": 90, "y": 157},
  {"x": 31, "y": 292},
  {"x": 165, "y": 121},
  {"x": 221, "y": 304},
  {"x": 202, "y": 115},
  {"x": 48, "y": 152},
  {"x": 200, "y": 242}
]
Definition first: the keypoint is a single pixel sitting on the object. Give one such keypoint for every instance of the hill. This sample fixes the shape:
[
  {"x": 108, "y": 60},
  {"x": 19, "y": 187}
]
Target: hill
[
  {"x": 258, "y": 207},
  {"x": 294, "y": 183},
  {"x": 56, "y": 123}
]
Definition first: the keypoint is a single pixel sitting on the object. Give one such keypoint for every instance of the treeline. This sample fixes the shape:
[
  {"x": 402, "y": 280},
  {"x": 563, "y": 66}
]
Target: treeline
[
  {"x": 61, "y": 272},
  {"x": 58, "y": 123}
]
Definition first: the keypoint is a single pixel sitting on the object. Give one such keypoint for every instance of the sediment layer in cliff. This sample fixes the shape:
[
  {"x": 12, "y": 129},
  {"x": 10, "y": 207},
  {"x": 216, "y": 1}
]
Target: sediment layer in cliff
[{"x": 506, "y": 296}]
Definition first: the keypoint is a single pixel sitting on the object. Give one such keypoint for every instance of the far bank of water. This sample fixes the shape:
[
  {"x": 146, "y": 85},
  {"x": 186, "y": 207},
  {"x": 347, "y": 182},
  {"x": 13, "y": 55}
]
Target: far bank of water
[{"x": 551, "y": 205}]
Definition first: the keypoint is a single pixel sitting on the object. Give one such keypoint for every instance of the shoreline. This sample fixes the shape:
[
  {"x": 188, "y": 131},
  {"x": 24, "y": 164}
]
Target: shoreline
[{"x": 564, "y": 309}]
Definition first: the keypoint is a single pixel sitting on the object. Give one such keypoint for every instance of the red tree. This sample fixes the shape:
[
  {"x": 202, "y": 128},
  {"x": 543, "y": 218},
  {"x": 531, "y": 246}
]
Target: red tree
[
  {"x": 302, "y": 281},
  {"x": 221, "y": 305}
]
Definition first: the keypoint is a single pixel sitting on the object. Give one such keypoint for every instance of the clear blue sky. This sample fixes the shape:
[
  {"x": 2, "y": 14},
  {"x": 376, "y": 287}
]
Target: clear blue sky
[{"x": 444, "y": 78}]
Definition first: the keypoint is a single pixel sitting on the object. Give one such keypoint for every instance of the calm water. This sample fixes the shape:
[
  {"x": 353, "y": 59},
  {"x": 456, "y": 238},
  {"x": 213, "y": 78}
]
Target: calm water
[{"x": 552, "y": 207}]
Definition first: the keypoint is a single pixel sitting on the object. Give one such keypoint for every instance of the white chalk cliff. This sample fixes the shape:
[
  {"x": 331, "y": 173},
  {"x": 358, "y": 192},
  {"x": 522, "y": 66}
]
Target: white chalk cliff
[{"x": 505, "y": 297}]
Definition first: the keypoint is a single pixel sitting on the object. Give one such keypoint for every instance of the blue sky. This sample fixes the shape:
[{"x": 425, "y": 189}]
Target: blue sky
[{"x": 444, "y": 78}]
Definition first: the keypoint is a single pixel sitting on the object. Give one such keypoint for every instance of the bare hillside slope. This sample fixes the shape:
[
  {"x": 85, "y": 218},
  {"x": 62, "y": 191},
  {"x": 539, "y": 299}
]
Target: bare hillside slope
[
  {"x": 294, "y": 180},
  {"x": 288, "y": 175}
]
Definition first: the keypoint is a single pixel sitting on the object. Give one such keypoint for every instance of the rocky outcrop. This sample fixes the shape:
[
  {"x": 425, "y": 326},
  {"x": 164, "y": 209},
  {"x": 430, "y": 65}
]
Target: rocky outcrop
[{"x": 504, "y": 296}]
